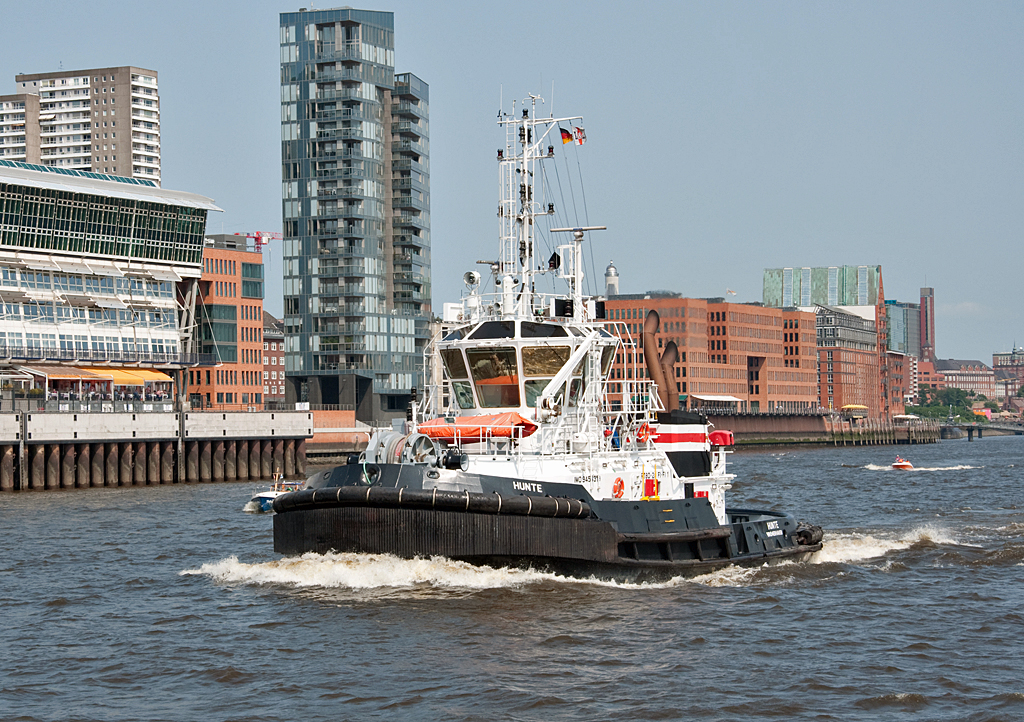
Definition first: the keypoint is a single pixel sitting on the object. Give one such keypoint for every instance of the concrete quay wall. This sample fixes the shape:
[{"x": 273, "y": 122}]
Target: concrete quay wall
[{"x": 79, "y": 450}]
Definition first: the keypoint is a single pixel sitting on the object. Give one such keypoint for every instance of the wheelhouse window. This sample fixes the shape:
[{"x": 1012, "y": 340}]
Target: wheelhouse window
[
  {"x": 540, "y": 364},
  {"x": 456, "y": 369},
  {"x": 542, "y": 330},
  {"x": 496, "y": 376},
  {"x": 495, "y": 329}
]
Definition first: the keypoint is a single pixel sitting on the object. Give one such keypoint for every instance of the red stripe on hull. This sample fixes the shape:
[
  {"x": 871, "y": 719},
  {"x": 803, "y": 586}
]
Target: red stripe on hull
[{"x": 669, "y": 438}]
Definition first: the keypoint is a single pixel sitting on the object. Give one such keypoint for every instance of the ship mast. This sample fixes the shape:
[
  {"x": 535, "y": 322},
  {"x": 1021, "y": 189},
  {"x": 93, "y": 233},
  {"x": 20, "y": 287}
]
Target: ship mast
[{"x": 527, "y": 143}]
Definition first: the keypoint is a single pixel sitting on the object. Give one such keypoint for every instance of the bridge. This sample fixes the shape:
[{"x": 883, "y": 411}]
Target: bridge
[{"x": 980, "y": 429}]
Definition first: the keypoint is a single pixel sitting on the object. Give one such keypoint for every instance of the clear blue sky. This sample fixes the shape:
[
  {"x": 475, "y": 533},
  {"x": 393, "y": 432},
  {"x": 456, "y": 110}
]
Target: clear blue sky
[{"x": 723, "y": 138}]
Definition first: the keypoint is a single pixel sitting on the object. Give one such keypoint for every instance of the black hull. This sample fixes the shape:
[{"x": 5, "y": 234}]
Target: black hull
[{"x": 466, "y": 527}]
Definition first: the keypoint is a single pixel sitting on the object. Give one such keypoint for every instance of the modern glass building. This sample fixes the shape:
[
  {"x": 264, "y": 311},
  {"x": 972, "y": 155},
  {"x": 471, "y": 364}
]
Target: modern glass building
[
  {"x": 904, "y": 327},
  {"x": 356, "y": 211},
  {"x": 96, "y": 268},
  {"x": 825, "y": 286}
]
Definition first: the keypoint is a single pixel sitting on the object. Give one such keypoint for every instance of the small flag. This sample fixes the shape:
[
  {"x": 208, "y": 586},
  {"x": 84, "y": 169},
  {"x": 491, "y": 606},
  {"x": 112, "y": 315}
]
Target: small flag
[
  {"x": 580, "y": 134},
  {"x": 730, "y": 292},
  {"x": 566, "y": 136}
]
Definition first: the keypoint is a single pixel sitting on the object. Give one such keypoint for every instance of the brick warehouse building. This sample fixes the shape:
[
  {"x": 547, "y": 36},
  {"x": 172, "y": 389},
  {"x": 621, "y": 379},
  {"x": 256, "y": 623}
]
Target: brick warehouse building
[{"x": 737, "y": 356}]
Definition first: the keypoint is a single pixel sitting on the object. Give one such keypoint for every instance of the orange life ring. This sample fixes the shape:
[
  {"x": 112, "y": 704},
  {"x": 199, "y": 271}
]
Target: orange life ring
[
  {"x": 643, "y": 433},
  {"x": 618, "y": 488}
]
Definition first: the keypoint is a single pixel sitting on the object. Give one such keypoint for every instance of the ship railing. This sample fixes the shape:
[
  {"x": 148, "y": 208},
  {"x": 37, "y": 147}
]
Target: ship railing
[
  {"x": 496, "y": 440},
  {"x": 629, "y": 412}
]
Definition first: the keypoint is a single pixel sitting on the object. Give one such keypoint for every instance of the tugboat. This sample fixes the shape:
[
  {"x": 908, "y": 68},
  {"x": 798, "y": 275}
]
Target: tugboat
[{"x": 517, "y": 456}]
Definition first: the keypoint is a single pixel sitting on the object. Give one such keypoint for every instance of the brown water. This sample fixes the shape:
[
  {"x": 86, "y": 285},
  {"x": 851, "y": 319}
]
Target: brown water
[{"x": 168, "y": 603}]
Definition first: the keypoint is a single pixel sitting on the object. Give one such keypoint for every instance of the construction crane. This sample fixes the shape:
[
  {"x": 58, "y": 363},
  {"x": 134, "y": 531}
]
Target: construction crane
[{"x": 261, "y": 238}]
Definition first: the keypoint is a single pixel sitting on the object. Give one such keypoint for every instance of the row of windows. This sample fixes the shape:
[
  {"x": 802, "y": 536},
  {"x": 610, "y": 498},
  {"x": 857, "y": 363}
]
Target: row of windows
[
  {"x": 59, "y": 313},
  {"x": 83, "y": 342},
  {"x": 77, "y": 222}
]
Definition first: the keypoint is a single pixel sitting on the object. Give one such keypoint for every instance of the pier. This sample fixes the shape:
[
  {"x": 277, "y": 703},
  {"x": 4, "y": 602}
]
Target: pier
[
  {"x": 43, "y": 451},
  {"x": 752, "y": 429}
]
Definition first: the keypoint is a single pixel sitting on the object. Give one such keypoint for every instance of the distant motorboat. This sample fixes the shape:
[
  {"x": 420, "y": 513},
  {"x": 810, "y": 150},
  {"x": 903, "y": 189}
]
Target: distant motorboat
[
  {"x": 263, "y": 501},
  {"x": 902, "y": 463}
]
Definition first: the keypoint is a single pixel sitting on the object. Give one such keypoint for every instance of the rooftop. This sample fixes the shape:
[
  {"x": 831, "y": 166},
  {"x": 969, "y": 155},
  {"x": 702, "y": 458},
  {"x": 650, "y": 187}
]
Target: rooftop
[{"x": 100, "y": 184}]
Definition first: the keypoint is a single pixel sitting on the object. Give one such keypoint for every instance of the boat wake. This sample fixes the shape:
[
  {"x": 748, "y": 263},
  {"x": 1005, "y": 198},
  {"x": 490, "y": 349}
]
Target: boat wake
[
  {"x": 386, "y": 572},
  {"x": 366, "y": 571},
  {"x": 252, "y": 507},
  {"x": 852, "y": 548},
  {"x": 888, "y": 467}
]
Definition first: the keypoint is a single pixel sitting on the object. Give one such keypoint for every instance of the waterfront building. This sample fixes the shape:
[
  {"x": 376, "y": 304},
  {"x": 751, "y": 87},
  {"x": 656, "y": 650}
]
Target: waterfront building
[
  {"x": 103, "y": 120},
  {"x": 848, "y": 369},
  {"x": 929, "y": 380},
  {"x": 273, "y": 360},
  {"x": 969, "y": 375},
  {"x": 928, "y": 324},
  {"x": 356, "y": 210},
  {"x": 735, "y": 356},
  {"x": 229, "y": 325},
  {"x": 899, "y": 365},
  {"x": 910, "y": 394},
  {"x": 1009, "y": 369},
  {"x": 903, "y": 327},
  {"x": 96, "y": 270},
  {"x": 856, "y": 290}
]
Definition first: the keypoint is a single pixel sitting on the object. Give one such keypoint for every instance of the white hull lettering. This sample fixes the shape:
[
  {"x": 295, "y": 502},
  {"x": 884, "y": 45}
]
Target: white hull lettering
[{"x": 526, "y": 486}]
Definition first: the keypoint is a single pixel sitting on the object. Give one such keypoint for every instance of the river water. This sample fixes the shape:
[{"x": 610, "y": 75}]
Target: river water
[{"x": 168, "y": 603}]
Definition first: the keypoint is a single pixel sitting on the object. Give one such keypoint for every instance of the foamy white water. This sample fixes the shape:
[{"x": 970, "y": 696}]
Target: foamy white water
[
  {"x": 365, "y": 571},
  {"x": 376, "y": 571},
  {"x": 888, "y": 467},
  {"x": 852, "y": 548}
]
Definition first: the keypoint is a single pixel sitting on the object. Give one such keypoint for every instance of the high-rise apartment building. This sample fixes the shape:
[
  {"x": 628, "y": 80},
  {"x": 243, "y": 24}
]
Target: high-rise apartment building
[
  {"x": 19, "y": 124},
  {"x": 103, "y": 120},
  {"x": 356, "y": 211}
]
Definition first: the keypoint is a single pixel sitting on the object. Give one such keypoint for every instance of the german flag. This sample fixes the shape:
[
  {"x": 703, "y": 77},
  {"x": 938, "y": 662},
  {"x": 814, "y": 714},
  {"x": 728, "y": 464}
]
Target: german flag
[{"x": 566, "y": 136}]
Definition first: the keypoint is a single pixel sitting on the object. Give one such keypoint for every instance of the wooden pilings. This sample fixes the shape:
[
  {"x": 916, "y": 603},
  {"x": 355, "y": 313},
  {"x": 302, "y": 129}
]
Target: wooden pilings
[
  {"x": 83, "y": 465},
  {"x": 872, "y": 432}
]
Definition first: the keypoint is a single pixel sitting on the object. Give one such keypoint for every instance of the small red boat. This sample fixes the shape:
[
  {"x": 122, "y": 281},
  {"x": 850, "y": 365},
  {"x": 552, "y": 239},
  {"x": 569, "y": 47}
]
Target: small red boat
[{"x": 902, "y": 463}]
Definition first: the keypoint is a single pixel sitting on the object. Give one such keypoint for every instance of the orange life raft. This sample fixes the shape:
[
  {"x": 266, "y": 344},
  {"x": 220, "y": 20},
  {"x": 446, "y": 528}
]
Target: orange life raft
[{"x": 470, "y": 429}]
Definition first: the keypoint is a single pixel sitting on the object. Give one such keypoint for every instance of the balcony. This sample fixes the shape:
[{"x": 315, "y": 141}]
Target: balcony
[
  {"x": 412, "y": 277},
  {"x": 404, "y": 164},
  {"x": 406, "y": 126},
  {"x": 344, "y": 51},
  {"x": 409, "y": 146},
  {"x": 408, "y": 219},
  {"x": 409, "y": 202},
  {"x": 405, "y": 108}
]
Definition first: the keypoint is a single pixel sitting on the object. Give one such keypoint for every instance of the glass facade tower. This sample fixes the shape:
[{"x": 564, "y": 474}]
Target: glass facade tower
[{"x": 356, "y": 211}]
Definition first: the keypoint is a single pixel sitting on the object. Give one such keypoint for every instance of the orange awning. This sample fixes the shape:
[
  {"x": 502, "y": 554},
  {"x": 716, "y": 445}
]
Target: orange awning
[
  {"x": 65, "y": 373},
  {"x": 119, "y": 376},
  {"x": 478, "y": 428},
  {"x": 150, "y": 375}
]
